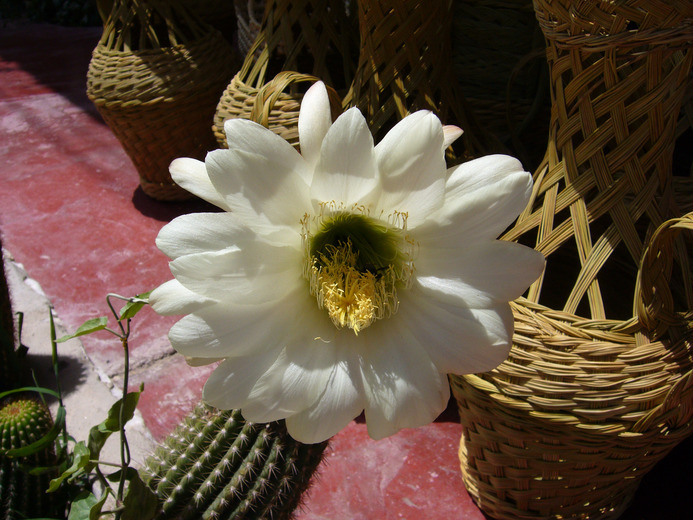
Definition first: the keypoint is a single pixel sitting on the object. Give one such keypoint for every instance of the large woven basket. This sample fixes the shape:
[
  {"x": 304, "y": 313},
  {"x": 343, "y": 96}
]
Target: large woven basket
[
  {"x": 498, "y": 59},
  {"x": 599, "y": 383},
  {"x": 299, "y": 42},
  {"x": 155, "y": 77},
  {"x": 403, "y": 67}
]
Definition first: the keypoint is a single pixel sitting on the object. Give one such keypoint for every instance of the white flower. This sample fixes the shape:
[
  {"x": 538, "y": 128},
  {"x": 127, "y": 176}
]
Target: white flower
[{"x": 347, "y": 277}]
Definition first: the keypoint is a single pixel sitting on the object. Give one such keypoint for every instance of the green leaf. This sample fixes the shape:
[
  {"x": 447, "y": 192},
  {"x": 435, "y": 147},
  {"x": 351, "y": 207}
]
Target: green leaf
[
  {"x": 87, "y": 327},
  {"x": 82, "y": 505},
  {"x": 38, "y": 389},
  {"x": 44, "y": 441},
  {"x": 99, "y": 434},
  {"x": 81, "y": 456},
  {"x": 133, "y": 306},
  {"x": 95, "y": 511},
  {"x": 140, "y": 502}
]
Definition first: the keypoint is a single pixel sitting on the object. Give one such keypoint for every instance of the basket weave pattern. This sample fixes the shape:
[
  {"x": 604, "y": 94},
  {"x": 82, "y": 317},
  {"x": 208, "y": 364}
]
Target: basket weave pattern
[
  {"x": 299, "y": 41},
  {"x": 595, "y": 392},
  {"x": 160, "y": 98},
  {"x": 405, "y": 45}
]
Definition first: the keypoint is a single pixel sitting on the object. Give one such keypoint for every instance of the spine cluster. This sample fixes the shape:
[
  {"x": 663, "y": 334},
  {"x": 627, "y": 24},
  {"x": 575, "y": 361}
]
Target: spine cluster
[
  {"x": 218, "y": 466},
  {"x": 25, "y": 479}
]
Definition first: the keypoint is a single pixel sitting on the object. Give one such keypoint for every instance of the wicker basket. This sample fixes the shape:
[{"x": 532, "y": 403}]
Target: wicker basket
[
  {"x": 498, "y": 58},
  {"x": 313, "y": 38},
  {"x": 403, "y": 46},
  {"x": 155, "y": 77},
  {"x": 599, "y": 383}
]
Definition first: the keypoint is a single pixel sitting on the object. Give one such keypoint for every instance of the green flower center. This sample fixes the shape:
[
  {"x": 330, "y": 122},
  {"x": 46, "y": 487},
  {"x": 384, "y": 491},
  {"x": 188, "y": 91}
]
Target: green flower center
[{"x": 355, "y": 264}]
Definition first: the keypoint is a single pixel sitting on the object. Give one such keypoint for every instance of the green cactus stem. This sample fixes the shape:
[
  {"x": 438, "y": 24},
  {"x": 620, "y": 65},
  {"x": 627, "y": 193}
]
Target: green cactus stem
[
  {"x": 217, "y": 466},
  {"x": 24, "y": 422}
]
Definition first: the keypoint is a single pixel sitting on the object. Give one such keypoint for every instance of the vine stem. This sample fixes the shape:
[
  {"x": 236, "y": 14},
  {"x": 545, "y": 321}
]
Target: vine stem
[{"x": 124, "y": 446}]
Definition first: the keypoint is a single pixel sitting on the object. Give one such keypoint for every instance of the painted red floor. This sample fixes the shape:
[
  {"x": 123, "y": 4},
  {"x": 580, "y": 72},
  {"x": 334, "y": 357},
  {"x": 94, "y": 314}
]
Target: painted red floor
[{"x": 72, "y": 213}]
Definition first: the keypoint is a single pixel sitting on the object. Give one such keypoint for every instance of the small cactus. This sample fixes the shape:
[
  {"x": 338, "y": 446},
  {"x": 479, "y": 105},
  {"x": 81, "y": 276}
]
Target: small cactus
[
  {"x": 22, "y": 494},
  {"x": 217, "y": 466}
]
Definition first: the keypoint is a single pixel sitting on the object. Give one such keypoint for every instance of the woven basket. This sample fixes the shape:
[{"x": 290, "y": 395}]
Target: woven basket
[
  {"x": 249, "y": 16},
  {"x": 404, "y": 46},
  {"x": 498, "y": 59},
  {"x": 155, "y": 77},
  {"x": 313, "y": 38},
  {"x": 598, "y": 386}
]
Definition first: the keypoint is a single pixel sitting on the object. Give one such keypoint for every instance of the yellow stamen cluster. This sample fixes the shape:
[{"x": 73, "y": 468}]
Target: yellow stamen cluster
[
  {"x": 356, "y": 289},
  {"x": 352, "y": 298}
]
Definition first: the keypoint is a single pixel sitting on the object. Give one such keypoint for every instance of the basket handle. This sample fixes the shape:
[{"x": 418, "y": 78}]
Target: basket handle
[
  {"x": 655, "y": 310},
  {"x": 271, "y": 92},
  {"x": 654, "y": 304}
]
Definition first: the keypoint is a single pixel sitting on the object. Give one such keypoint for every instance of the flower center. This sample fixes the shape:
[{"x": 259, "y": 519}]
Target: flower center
[{"x": 356, "y": 263}]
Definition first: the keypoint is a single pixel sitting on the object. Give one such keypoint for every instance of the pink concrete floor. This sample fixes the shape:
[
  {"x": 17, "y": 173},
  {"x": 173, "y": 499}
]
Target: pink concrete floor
[{"x": 71, "y": 211}]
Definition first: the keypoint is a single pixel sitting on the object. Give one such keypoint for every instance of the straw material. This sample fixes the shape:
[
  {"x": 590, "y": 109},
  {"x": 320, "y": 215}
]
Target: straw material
[
  {"x": 312, "y": 37},
  {"x": 155, "y": 78},
  {"x": 403, "y": 66},
  {"x": 498, "y": 59},
  {"x": 249, "y": 17},
  {"x": 594, "y": 394}
]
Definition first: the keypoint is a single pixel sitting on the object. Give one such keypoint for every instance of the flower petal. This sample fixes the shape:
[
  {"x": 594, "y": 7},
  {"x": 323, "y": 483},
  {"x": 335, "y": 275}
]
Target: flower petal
[
  {"x": 403, "y": 388},
  {"x": 301, "y": 373},
  {"x": 171, "y": 298},
  {"x": 229, "y": 385},
  {"x": 482, "y": 198},
  {"x": 260, "y": 184},
  {"x": 341, "y": 402},
  {"x": 251, "y": 271},
  {"x": 347, "y": 170},
  {"x": 459, "y": 340},
  {"x": 452, "y": 133},
  {"x": 200, "y": 233},
  {"x": 314, "y": 120},
  {"x": 228, "y": 329},
  {"x": 412, "y": 167},
  {"x": 191, "y": 175},
  {"x": 480, "y": 276}
]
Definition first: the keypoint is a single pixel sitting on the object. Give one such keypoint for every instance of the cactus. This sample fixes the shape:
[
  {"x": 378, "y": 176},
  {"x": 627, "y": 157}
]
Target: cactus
[
  {"x": 22, "y": 494},
  {"x": 217, "y": 466}
]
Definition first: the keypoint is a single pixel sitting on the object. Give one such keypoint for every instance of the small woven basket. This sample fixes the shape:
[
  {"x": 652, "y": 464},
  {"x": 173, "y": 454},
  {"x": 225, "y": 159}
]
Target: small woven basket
[
  {"x": 315, "y": 39},
  {"x": 405, "y": 46},
  {"x": 598, "y": 385},
  {"x": 155, "y": 77}
]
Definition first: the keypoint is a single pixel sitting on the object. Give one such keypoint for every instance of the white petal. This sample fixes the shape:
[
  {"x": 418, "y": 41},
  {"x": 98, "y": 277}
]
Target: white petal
[
  {"x": 346, "y": 170},
  {"x": 404, "y": 389},
  {"x": 191, "y": 175},
  {"x": 300, "y": 375},
  {"x": 458, "y": 340},
  {"x": 480, "y": 275},
  {"x": 228, "y": 386},
  {"x": 452, "y": 133},
  {"x": 411, "y": 162},
  {"x": 483, "y": 197},
  {"x": 251, "y": 137},
  {"x": 171, "y": 298},
  {"x": 227, "y": 329},
  {"x": 252, "y": 271},
  {"x": 263, "y": 185},
  {"x": 314, "y": 120},
  {"x": 199, "y": 233},
  {"x": 341, "y": 402}
]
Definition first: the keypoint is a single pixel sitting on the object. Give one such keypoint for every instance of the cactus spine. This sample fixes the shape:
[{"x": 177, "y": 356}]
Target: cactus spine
[
  {"x": 23, "y": 495},
  {"x": 217, "y": 466}
]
